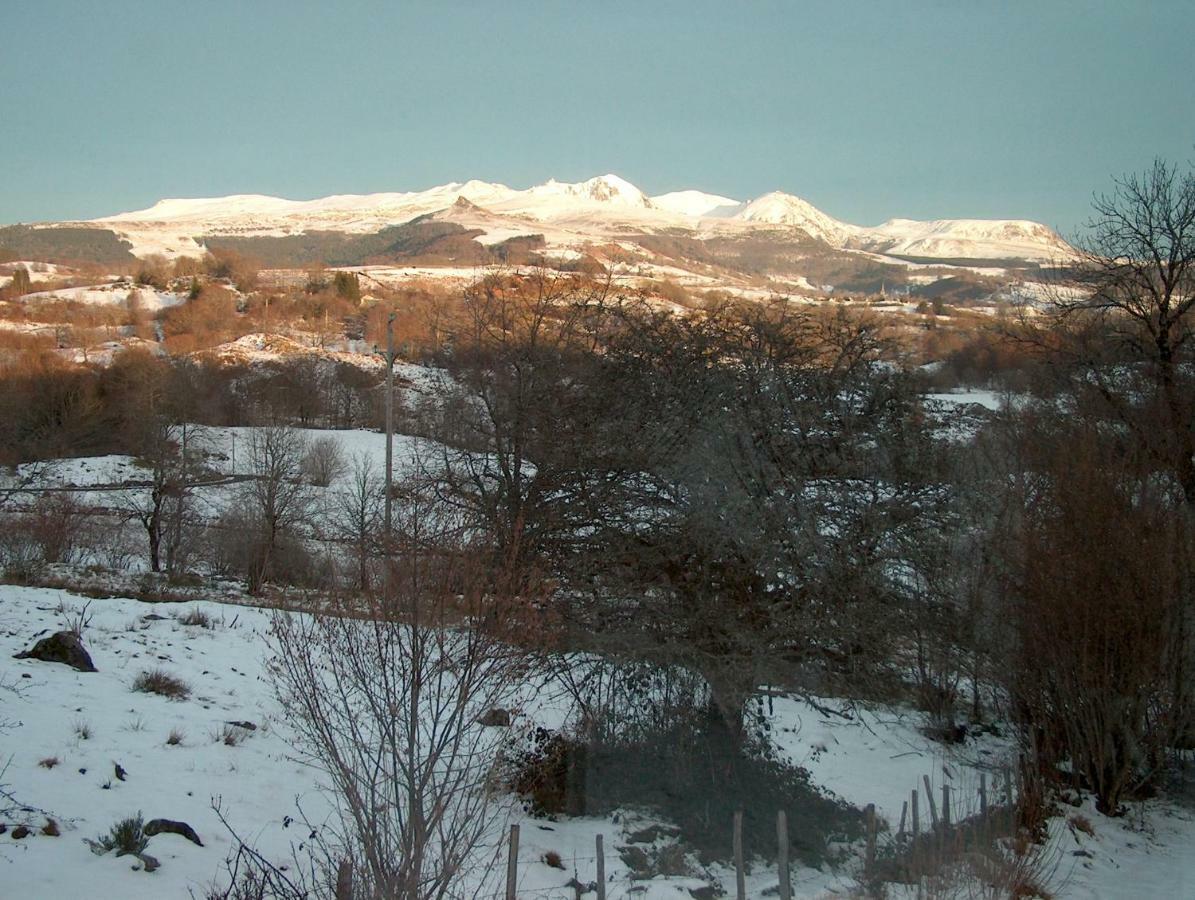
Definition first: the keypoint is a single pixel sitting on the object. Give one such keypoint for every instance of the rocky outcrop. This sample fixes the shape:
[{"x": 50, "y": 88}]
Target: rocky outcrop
[{"x": 64, "y": 647}]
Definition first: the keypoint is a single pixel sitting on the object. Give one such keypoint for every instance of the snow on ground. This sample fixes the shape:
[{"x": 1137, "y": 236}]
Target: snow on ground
[
  {"x": 111, "y": 295},
  {"x": 992, "y": 400},
  {"x": 92, "y": 722}
]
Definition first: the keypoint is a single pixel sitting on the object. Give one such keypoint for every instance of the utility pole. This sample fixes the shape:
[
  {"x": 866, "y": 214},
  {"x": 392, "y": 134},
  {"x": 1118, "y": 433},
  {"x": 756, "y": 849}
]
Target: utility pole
[{"x": 389, "y": 356}]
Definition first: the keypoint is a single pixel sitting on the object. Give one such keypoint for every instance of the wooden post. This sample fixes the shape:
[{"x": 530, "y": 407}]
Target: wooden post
[
  {"x": 916, "y": 818},
  {"x": 512, "y": 864},
  {"x": 983, "y": 795},
  {"x": 740, "y": 876},
  {"x": 904, "y": 812},
  {"x": 929, "y": 799},
  {"x": 601, "y": 869},
  {"x": 869, "y": 815},
  {"x": 786, "y": 887},
  {"x": 1012, "y": 813},
  {"x": 344, "y": 880}
]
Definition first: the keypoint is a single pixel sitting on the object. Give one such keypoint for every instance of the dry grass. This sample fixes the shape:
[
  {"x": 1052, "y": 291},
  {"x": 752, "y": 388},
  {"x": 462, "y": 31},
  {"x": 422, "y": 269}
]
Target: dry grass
[
  {"x": 49, "y": 762},
  {"x": 197, "y": 617},
  {"x": 229, "y": 735},
  {"x": 157, "y": 681}
]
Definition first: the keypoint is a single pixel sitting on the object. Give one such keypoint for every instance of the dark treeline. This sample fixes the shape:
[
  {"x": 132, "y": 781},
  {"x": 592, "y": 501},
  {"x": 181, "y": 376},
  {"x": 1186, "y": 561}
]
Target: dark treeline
[{"x": 50, "y": 408}]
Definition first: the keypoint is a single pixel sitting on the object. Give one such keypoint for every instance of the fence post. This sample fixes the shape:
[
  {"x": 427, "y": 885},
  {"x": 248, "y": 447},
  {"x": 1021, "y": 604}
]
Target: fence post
[
  {"x": 344, "y": 880},
  {"x": 983, "y": 796},
  {"x": 739, "y": 875},
  {"x": 945, "y": 806},
  {"x": 929, "y": 799},
  {"x": 601, "y": 869},
  {"x": 916, "y": 818},
  {"x": 904, "y": 814},
  {"x": 869, "y": 815},
  {"x": 1012, "y": 813},
  {"x": 786, "y": 887},
  {"x": 512, "y": 864}
]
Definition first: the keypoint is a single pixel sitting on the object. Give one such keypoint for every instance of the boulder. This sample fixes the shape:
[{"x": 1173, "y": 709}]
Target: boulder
[
  {"x": 62, "y": 647},
  {"x": 496, "y": 717},
  {"x": 171, "y": 826}
]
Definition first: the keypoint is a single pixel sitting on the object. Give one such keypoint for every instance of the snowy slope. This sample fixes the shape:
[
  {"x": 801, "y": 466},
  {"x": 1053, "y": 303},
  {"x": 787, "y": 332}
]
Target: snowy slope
[
  {"x": 778, "y": 208},
  {"x": 969, "y": 238},
  {"x": 697, "y": 204}
]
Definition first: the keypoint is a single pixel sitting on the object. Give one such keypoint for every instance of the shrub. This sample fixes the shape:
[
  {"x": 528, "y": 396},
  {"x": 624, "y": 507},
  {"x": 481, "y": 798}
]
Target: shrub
[
  {"x": 126, "y": 836},
  {"x": 82, "y": 729},
  {"x": 175, "y": 738},
  {"x": 323, "y": 462},
  {"x": 694, "y": 775},
  {"x": 197, "y": 617},
  {"x": 49, "y": 762},
  {"x": 230, "y": 735},
  {"x": 157, "y": 681}
]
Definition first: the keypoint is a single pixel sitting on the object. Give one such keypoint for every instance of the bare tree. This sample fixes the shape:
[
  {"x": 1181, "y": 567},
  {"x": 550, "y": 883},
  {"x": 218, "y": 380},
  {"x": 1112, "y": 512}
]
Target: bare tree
[
  {"x": 276, "y": 497},
  {"x": 1129, "y": 326},
  {"x": 356, "y": 514},
  {"x": 163, "y": 507},
  {"x": 385, "y": 699},
  {"x": 323, "y": 461}
]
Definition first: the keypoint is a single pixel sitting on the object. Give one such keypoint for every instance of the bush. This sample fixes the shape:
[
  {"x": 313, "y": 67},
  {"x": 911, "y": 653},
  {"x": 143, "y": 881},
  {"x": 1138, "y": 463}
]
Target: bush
[
  {"x": 696, "y": 777},
  {"x": 126, "y": 836},
  {"x": 323, "y": 462},
  {"x": 156, "y": 681},
  {"x": 196, "y": 617}
]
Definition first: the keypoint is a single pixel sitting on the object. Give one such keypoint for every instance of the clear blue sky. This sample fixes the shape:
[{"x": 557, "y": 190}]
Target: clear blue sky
[{"x": 868, "y": 110}]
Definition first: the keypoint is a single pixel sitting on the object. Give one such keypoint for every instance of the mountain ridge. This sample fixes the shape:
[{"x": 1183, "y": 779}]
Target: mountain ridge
[{"x": 573, "y": 213}]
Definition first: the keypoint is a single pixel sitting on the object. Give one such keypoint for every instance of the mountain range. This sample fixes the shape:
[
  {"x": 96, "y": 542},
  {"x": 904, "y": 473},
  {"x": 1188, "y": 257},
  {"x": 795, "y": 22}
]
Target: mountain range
[{"x": 571, "y": 216}]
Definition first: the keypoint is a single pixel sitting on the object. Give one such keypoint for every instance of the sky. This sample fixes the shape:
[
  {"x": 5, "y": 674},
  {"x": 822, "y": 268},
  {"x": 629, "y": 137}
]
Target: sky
[{"x": 869, "y": 110}]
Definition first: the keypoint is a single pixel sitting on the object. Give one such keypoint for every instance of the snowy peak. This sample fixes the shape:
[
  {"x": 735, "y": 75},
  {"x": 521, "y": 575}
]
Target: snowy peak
[
  {"x": 967, "y": 238},
  {"x": 608, "y": 189},
  {"x": 697, "y": 204},
  {"x": 778, "y": 208}
]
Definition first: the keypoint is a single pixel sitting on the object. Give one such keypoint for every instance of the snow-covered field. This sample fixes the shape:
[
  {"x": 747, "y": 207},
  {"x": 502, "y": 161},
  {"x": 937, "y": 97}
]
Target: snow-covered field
[
  {"x": 110, "y": 295},
  {"x": 92, "y": 722}
]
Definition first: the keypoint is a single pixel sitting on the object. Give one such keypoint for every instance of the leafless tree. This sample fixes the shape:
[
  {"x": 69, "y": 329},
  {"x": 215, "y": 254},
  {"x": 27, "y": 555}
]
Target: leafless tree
[
  {"x": 276, "y": 498},
  {"x": 1126, "y": 326},
  {"x": 385, "y": 698},
  {"x": 356, "y": 515},
  {"x": 323, "y": 461},
  {"x": 163, "y": 507}
]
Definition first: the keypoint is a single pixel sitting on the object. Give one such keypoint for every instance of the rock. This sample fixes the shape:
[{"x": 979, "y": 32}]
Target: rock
[
  {"x": 20, "y": 832},
  {"x": 635, "y": 860},
  {"x": 120, "y": 772},
  {"x": 148, "y": 862},
  {"x": 705, "y": 893},
  {"x": 495, "y": 717},
  {"x": 62, "y": 647},
  {"x": 170, "y": 826},
  {"x": 651, "y": 834}
]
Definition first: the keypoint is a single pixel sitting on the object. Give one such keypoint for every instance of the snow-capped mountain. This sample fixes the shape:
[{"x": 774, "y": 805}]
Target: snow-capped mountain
[
  {"x": 569, "y": 215},
  {"x": 778, "y": 208}
]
